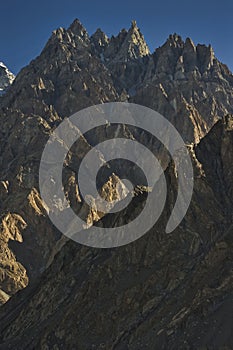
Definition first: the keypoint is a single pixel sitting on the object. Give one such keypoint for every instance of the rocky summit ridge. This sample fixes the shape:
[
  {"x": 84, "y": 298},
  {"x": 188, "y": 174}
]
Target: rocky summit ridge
[{"x": 163, "y": 291}]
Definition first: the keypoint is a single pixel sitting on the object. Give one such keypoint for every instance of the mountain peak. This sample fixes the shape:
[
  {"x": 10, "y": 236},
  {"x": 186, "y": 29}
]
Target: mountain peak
[
  {"x": 189, "y": 43},
  {"x": 78, "y": 29},
  {"x": 175, "y": 40},
  {"x": 137, "y": 44},
  {"x": 134, "y": 24},
  {"x": 100, "y": 39},
  {"x": 128, "y": 45}
]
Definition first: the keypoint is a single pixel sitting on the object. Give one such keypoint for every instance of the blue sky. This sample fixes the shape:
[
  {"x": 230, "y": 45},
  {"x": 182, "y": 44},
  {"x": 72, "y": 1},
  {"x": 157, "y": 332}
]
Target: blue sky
[{"x": 25, "y": 26}]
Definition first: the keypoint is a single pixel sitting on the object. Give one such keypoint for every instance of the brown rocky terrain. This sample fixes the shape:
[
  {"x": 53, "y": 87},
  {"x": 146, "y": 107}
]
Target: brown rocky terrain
[{"x": 165, "y": 291}]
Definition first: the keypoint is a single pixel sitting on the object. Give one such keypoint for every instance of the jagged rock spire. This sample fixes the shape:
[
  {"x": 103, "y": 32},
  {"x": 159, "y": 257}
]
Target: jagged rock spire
[
  {"x": 79, "y": 30},
  {"x": 134, "y": 24},
  {"x": 128, "y": 45},
  {"x": 137, "y": 44},
  {"x": 175, "y": 40},
  {"x": 99, "y": 39},
  {"x": 76, "y": 27}
]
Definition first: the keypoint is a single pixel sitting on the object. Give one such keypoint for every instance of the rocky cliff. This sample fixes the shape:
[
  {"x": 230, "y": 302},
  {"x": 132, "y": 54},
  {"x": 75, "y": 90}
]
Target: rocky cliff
[{"x": 162, "y": 289}]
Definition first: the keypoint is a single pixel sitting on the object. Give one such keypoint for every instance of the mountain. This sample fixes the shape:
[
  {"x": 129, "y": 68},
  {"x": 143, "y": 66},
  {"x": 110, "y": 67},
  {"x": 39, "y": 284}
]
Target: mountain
[
  {"x": 6, "y": 78},
  {"x": 162, "y": 291}
]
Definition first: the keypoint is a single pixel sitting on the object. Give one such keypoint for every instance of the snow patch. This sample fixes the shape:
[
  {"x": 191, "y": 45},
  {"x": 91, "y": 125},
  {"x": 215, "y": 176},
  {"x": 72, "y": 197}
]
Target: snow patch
[{"x": 6, "y": 78}]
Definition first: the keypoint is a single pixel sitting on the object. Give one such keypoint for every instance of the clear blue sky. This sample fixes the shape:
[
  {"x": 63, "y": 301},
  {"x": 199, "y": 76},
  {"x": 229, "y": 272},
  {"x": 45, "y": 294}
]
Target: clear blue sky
[{"x": 25, "y": 25}]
